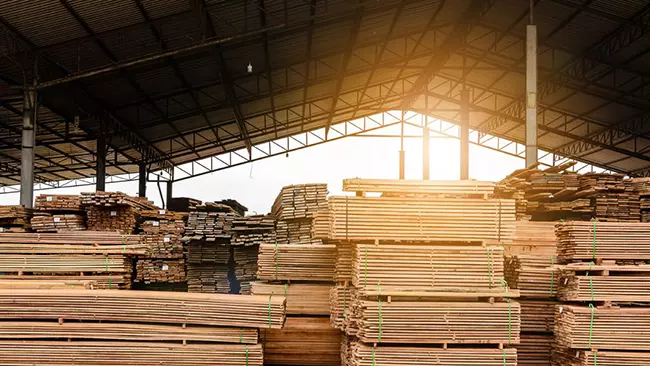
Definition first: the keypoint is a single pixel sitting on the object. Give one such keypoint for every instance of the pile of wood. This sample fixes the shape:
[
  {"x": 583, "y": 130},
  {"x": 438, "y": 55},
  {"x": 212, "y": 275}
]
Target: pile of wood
[
  {"x": 160, "y": 270},
  {"x": 393, "y": 187},
  {"x": 537, "y": 317},
  {"x": 200, "y": 252},
  {"x": 303, "y": 341},
  {"x": 300, "y": 262},
  {"x": 14, "y": 218},
  {"x": 579, "y": 240},
  {"x": 123, "y": 219},
  {"x": 113, "y": 199},
  {"x": 300, "y": 201},
  {"x": 535, "y": 349},
  {"x": 253, "y": 230},
  {"x": 51, "y": 223},
  {"x": 344, "y": 261},
  {"x": 341, "y": 300},
  {"x": 299, "y": 231},
  {"x": 423, "y": 218},
  {"x": 162, "y": 245},
  {"x": 183, "y": 204},
  {"x": 605, "y": 282},
  {"x": 567, "y": 357},
  {"x": 302, "y": 298},
  {"x": 84, "y": 327},
  {"x": 536, "y": 276},
  {"x": 209, "y": 225},
  {"x": 58, "y": 202},
  {"x": 245, "y": 266},
  {"x": 360, "y": 354},
  {"x": 208, "y": 266}
]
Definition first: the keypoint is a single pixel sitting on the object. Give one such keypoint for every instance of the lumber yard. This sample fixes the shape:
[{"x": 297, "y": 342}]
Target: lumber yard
[{"x": 129, "y": 237}]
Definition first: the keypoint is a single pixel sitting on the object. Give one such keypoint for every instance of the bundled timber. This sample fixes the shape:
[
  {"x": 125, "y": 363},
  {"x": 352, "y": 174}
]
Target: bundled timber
[
  {"x": 93, "y": 281},
  {"x": 533, "y": 237},
  {"x": 341, "y": 301},
  {"x": 110, "y": 353},
  {"x": 321, "y": 224},
  {"x": 144, "y": 306},
  {"x": 568, "y": 357},
  {"x": 537, "y": 315},
  {"x": 208, "y": 252},
  {"x": 534, "y": 275},
  {"x": 160, "y": 270},
  {"x": 423, "y": 187},
  {"x": 612, "y": 328},
  {"x": 14, "y": 218},
  {"x": 253, "y": 230},
  {"x": 245, "y": 266},
  {"x": 77, "y": 242},
  {"x": 163, "y": 226},
  {"x": 296, "y": 262},
  {"x": 112, "y": 199},
  {"x": 209, "y": 225},
  {"x": 298, "y": 231},
  {"x": 437, "y": 322},
  {"x": 427, "y": 269},
  {"x": 58, "y": 222},
  {"x": 122, "y": 219},
  {"x": 360, "y": 354},
  {"x": 300, "y": 201},
  {"x": 302, "y": 298},
  {"x": 603, "y": 240},
  {"x": 125, "y": 332},
  {"x": 612, "y": 283},
  {"x": 344, "y": 261},
  {"x": 415, "y": 218},
  {"x": 167, "y": 215},
  {"x": 534, "y": 350},
  {"x": 58, "y": 202},
  {"x": 183, "y": 204},
  {"x": 68, "y": 263},
  {"x": 304, "y": 341},
  {"x": 211, "y": 278},
  {"x": 162, "y": 245}
]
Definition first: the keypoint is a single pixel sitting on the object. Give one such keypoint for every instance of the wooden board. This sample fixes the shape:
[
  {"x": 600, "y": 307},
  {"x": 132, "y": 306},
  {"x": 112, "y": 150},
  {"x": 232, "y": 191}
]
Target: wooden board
[
  {"x": 425, "y": 187},
  {"x": 612, "y": 283},
  {"x": 160, "y": 270},
  {"x": 534, "y": 350},
  {"x": 302, "y": 298},
  {"x": 567, "y": 357},
  {"x": 603, "y": 240},
  {"x": 296, "y": 262}
]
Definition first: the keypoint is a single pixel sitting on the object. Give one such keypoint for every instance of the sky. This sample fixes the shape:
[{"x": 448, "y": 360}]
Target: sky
[{"x": 256, "y": 184}]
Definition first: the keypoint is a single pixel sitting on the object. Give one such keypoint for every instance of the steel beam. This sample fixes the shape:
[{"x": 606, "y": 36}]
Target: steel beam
[
  {"x": 30, "y": 117},
  {"x": 142, "y": 180},
  {"x": 426, "y": 152},
  {"x": 100, "y": 175},
  {"x": 464, "y": 134},
  {"x": 531, "y": 94}
]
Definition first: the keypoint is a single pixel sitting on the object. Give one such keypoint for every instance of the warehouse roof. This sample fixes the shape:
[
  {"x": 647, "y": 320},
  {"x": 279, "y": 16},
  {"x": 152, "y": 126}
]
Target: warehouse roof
[{"x": 168, "y": 81}]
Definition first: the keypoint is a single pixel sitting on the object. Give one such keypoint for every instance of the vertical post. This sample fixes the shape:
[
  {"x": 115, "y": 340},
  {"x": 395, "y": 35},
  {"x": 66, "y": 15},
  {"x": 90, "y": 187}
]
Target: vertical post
[
  {"x": 100, "y": 169},
  {"x": 426, "y": 141},
  {"x": 142, "y": 180},
  {"x": 531, "y": 91},
  {"x": 402, "y": 154},
  {"x": 169, "y": 193},
  {"x": 30, "y": 115},
  {"x": 464, "y": 134}
]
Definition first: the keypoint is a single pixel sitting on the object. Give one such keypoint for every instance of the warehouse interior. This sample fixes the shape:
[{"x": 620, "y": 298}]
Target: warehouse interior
[{"x": 554, "y": 257}]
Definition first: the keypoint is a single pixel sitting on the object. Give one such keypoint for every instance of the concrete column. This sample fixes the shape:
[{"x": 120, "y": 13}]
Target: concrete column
[
  {"x": 426, "y": 152},
  {"x": 169, "y": 193},
  {"x": 464, "y": 134},
  {"x": 142, "y": 180},
  {"x": 531, "y": 95},
  {"x": 30, "y": 116},
  {"x": 100, "y": 169}
]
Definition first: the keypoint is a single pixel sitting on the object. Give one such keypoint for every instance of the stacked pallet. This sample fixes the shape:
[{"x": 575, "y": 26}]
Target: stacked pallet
[
  {"x": 51, "y": 223},
  {"x": 531, "y": 267},
  {"x": 605, "y": 286},
  {"x": 103, "y": 258},
  {"x": 160, "y": 271},
  {"x": 84, "y": 327},
  {"x": 14, "y": 218}
]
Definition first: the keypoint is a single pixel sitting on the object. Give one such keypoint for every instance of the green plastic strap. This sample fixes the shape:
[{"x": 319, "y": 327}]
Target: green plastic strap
[
  {"x": 552, "y": 277},
  {"x": 591, "y": 324},
  {"x": 241, "y": 334},
  {"x": 285, "y": 289},
  {"x": 110, "y": 282},
  {"x": 595, "y": 358},
  {"x": 593, "y": 247},
  {"x": 365, "y": 269},
  {"x": 246, "y": 355},
  {"x": 124, "y": 246},
  {"x": 381, "y": 316},
  {"x": 505, "y": 360},
  {"x": 489, "y": 257},
  {"x": 276, "y": 260},
  {"x": 345, "y": 298},
  {"x": 373, "y": 355},
  {"x": 504, "y": 283},
  {"x": 591, "y": 282},
  {"x": 270, "y": 297}
]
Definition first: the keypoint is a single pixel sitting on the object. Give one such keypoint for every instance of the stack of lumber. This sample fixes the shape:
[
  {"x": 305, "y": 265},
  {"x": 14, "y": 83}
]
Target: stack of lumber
[
  {"x": 209, "y": 225},
  {"x": 299, "y": 231},
  {"x": 535, "y": 350},
  {"x": 104, "y": 258},
  {"x": 300, "y": 201},
  {"x": 113, "y": 199},
  {"x": 536, "y": 276},
  {"x": 423, "y": 322},
  {"x": 422, "y": 218},
  {"x": 245, "y": 266},
  {"x": 341, "y": 300},
  {"x": 320, "y": 228},
  {"x": 537, "y": 317},
  {"x": 454, "y": 188},
  {"x": 234, "y": 205},
  {"x": 567, "y": 357},
  {"x": 160, "y": 270},
  {"x": 602, "y": 240},
  {"x": 122, "y": 219},
  {"x": 533, "y": 237},
  {"x": 44, "y": 223},
  {"x": 208, "y": 267},
  {"x": 253, "y": 230},
  {"x": 360, "y": 354},
  {"x": 344, "y": 261},
  {"x": 176, "y": 227},
  {"x": 14, "y": 218},
  {"x": 302, "y": 341},
  {"x": 302, "y": 298},
  {"x": 605, "y": 282},
  {"x": 183, "y": 204},
  {"x": 200, "y": 252},
  {"x": 300, "y": 262},
  {"x": 162, "y": 245},
  {"x": 58, "y": 202},
  {"x": 406, "y": 269},
  {"x": 84, "y": 327},
  {"x": 163, "y": 215}
]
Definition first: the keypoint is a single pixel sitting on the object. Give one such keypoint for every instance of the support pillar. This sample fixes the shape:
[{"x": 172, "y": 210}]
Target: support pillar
[
  {"x": 426, "y": 152},
  {"x": 531, "y": 94},
  {"x": 100, "y": 169},
  {"x": 464, "y": 134},
  {"x": 402, "y": 153},
  {"x": 169, "y": 193},
  {"x": 142, "y": 180},
  {"x": 30, "y": 116}
]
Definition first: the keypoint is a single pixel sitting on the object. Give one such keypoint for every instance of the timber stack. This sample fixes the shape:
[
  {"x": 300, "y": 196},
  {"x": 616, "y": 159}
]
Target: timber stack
[
  {"x": 96, "y": 259},
  {"x": 114, "y": 211},
  {"x": 15, "y": 219},
  {"x": 53, "y": 213},
  {"x": 531, "y": 266},
  {"x": 604, "y": 286},
  {"x": 425, "y": 289},
  {"x": 87, "y": 327},
  {"x": 163, "y": 263},
  {"x": 248, "y": 233},
  {"x": 301, "y": 268}
]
